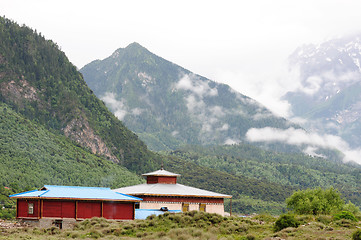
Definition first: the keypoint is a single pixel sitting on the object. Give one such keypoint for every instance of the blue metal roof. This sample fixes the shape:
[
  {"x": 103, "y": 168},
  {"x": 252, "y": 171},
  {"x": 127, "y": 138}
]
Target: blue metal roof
[{"x": 75, "y": 192}]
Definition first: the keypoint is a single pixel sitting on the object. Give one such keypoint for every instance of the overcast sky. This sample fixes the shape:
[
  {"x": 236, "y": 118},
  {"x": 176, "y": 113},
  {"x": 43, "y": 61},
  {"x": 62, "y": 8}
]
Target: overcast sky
[{"x": 242, "y": 43}]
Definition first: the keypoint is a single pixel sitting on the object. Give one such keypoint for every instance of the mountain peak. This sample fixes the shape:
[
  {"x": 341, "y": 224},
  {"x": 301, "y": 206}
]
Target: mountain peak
[
  {"x": 177, "y": 106},
  {"x": 135, "y": 47}
]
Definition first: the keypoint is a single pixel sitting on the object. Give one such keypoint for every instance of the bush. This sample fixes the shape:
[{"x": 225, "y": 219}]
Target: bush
[
  {"x": 347, "y": 223},
  {"x": 265, "y": 218},
  {"x": 285, "y": 221},
  {"x": 345, "y": 215},
  {"x": 315, "y": 201},
  {"x": 7, "y": 213},
  {"x": 352, "y": 208},
  {"x": 356, "y": 235},
  {"x": 325, "y": 219}
]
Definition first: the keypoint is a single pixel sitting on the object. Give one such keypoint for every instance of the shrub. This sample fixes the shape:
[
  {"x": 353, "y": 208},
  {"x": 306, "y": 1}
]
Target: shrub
[
  {"x": 315, "y": 201},
  {"x": 265, "y": 218},
  {"x": 345, "y": 215},
  {"x": 356, "y": 235},
  {"x": 285, "y": 221},
  {"x": 250, "y": 237},
  {"x": 352, "y": 208},
  {"x": 347, "y": 223},
  {"x": 7, "y": 213},
  {"x": 303, "y": 219},
  {"x": 325, "y": 219}
]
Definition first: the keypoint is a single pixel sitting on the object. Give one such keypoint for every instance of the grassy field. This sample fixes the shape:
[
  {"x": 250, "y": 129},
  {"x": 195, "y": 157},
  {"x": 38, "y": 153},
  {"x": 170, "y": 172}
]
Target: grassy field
[{"x": 193, "y": 225}]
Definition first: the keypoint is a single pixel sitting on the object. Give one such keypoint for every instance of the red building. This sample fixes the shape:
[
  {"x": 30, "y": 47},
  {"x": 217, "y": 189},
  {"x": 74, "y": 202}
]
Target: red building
[
  {"x": 63, "y": 205},
  {"x": 163, "y": 191}
]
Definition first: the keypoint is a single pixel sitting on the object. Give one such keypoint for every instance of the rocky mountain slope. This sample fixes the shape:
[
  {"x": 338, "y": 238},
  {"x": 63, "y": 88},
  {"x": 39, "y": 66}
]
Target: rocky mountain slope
[
  {"x": 32, "y": 156},
  {"x": 39, "y": 82},
  {"x": 168, "y": 106},
  {"x": 54, "y": 130},
  {"x": 330, "y": 92}
]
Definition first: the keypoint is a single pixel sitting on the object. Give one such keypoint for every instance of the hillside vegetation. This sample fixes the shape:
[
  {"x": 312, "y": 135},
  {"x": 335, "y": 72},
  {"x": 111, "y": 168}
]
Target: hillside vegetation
[
  {"x": 169, "y": 106},
  {"x": 294, "y": 170},
  {"x": 31, "y": 156},
  {"x": 55, "y": 131},
  {"x": 38, "y": 81},
  {"x": 322, "y": 215},
  {"x": 197, "y": 225}
]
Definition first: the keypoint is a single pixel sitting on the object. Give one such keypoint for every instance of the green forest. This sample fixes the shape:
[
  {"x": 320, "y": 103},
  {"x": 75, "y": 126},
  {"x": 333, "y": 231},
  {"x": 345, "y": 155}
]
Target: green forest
[
  {"x": 42, "y": 94},
  {"x": 293, "y": 170},
  {"x": 161, "y": 113}
]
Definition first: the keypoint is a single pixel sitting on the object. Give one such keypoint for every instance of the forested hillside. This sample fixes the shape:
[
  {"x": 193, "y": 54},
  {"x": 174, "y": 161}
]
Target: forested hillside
[
  {"x": 31, "y": 156},
  {"x": 169, "y": 106},
  {"x": 55, "y": 131},
  {"x": 38, "y": 81},
  {"x": 294, "y": 170}
]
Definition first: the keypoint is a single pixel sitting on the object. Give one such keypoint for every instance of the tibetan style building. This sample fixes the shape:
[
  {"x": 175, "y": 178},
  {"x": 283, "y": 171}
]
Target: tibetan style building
[
  {"x": 64, "y": 205},
  {"x": 163, "y": 192}
]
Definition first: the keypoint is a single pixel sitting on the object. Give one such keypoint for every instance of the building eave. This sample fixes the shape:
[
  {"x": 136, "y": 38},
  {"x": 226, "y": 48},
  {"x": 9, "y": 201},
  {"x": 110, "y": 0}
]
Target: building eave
[
  {"x": 78, "y": 199},
  {"x": 177, "y": 195}
]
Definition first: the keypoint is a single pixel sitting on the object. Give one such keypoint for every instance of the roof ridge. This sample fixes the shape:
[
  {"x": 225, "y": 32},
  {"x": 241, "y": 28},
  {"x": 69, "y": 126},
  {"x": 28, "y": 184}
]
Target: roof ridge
[
  {"x": 13, "y": 195},
  {"x": 62, "y": 186}
]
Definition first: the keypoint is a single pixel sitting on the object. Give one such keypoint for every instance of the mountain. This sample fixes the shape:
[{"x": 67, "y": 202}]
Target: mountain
[
  {"x": 330, "y": 92},
  {"x": 39, "y": 82},
  {"x": 168, "y": 106},
  {"x": 31, "y": 156},
  {"x": 54, "y": 130}
]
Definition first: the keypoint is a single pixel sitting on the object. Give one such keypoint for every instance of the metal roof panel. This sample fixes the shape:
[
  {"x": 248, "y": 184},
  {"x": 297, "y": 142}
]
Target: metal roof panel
[
  {"x": 76, "y": 192},
  {"x": 161, "y": 172},
  {"x": 169, "y": 190}
]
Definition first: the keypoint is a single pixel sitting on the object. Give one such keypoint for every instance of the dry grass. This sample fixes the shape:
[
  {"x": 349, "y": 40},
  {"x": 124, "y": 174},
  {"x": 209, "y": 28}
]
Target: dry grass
[{"x": 193, "y": 225}]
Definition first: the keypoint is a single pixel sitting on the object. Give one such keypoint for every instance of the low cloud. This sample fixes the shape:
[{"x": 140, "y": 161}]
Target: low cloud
[
  {"x": 328, "y": 81},
  {"x": 137, "y": 111},
  {"x": 312, "y": 152},
  {"x": 195, "y": 104},
  {"x": 230, "y": 141},
  {"x": 300, "y": 137},
  {"x": 117, "y": 107},
  {"x": 196, "y": 86},
  {"x": 266, "y": 87},
  {"x": 209, "y": 116},
  {"x": 312, "y": 85},
  {"x": 260, "y": 115},
  {"x": 224, "y": 127}
]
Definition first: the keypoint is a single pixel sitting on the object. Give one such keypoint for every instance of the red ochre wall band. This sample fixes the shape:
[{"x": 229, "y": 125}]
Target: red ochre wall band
[
  {"x": 181, "y": 199},
  {"x": 158, "y": 179}
]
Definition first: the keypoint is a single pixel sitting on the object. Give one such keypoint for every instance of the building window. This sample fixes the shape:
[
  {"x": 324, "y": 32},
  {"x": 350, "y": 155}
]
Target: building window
[
  {"x": 137, "y": 205},
  {"x": 185, "y": 207},
  {"x": 202, "y": 207},
  {"x": 30, "y": 208}
]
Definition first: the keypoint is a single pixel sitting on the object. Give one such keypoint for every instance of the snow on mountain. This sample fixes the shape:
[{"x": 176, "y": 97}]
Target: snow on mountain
[{"x": 329, "y": 95}]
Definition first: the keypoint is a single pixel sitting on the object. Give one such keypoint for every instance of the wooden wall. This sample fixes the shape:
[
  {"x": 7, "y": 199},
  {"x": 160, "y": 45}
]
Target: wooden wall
[
  {"x": 56, "y": 208},
  {"x": 158, "y": 179},
  {"x": 23, "y": 207},
  {"x": 75, "y": 209}
]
